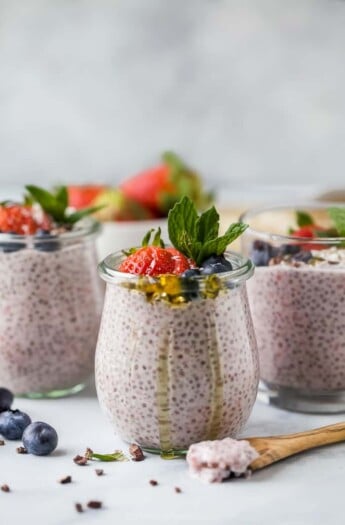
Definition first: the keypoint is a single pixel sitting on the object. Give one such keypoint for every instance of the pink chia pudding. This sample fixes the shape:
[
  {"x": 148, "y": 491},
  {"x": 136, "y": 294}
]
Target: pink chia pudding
[
  {"x": 299, "y": 317},
  {"x": 297, "y": 300},
  {"x": 172, "y": 371},
  {"x": 50, "y": 307}
]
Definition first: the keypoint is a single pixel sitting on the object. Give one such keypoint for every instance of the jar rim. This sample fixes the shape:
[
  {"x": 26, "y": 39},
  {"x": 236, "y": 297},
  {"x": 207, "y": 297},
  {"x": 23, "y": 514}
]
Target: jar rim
[
  {"x": 87, "y": 227},
  {"x": 244, "y": 269},
  {"x": 305, "y": 206}
]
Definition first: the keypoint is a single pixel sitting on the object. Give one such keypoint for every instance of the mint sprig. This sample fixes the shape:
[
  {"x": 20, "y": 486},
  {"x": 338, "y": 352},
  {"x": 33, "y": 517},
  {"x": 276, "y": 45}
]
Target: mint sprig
[
  {"x": 338, "y": 217},
  {"x": 197, "y": 236},
  {"x": 304, "y": 219},
  {"x": 55, "y": 204}
]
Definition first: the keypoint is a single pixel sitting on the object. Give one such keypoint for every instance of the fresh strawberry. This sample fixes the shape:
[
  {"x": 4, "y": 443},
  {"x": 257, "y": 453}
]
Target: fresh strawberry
[
  {"x": 160, "y": 187},
  {"x": 21, "y": 219},
  {"x": 181, "y": 262},
  {"x": 312, "y": 231},
  {"x": 81, "y": 196},
  {"x": 154, "y": 260},
  {"x": 305, "y": 232}
]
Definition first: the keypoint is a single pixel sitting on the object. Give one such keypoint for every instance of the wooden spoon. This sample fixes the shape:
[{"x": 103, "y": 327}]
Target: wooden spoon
[{"x": 276, "y": 448}]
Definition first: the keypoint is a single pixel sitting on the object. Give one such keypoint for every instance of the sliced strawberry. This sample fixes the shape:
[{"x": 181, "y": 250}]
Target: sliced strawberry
[
  {"x": 81, "y": 196},
  {"x": 312, "y": 231},
  {"x": 160, "y": 187},
  {"x": 181, "y": 262},
  {"x": 21, "y": 219},
  {"x": 305, "y": 232},
  {"x": 154, "y": 260}
]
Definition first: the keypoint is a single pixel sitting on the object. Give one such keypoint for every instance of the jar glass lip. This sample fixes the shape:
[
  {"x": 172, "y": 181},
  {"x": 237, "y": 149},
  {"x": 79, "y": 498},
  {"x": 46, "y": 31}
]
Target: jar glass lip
[
  {"x": 308, "y": 206},
  {"x": 243, "y": 269},
  {"x": 86, "y": 227}
]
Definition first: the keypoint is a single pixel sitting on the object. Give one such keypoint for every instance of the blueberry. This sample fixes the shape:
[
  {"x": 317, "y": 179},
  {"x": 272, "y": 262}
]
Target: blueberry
[
  {"x": 261, "y": 253},
  {"x": 6, "y": 399},
  {"x": 289, "y": 249},
  {"x": 190, "y": 285},
  {"x": 191, "y": 272},
  {"x": 215, "y": 264},
  {"x": 46, "y": 245},
  {"x": 303, "y": 256},
  {"x": 8, "y": 247},
  {"x": 13, "y": 423},
  {"x": 40, "y": 439}
]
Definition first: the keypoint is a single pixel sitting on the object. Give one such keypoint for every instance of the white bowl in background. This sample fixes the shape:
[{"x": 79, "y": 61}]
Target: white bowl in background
[{"x": 122, "y": 235}]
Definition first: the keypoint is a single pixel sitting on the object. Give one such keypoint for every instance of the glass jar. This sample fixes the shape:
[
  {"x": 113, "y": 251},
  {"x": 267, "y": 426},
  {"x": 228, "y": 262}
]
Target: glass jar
[
  {"x": 297, "y": 300},
  {"x": 176, "y": 358},
  {"x": 50, "y": 308}
]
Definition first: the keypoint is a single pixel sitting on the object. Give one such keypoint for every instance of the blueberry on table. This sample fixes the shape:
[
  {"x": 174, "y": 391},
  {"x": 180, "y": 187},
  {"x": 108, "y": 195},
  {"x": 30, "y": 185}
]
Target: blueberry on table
[
  {"x": 6, "y": 399},
  {"x": 261, "y": 253},
  {"x": 49, "y": 242},
  {"x": 13, "y": 423},
  {"x": 215, "y": 264},
  {"x": 40, "y": 439}
]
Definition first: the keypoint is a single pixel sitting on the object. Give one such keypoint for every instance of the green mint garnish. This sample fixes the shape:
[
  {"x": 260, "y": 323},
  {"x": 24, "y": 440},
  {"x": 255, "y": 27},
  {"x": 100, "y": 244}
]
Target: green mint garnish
[
  {"x": 197, "y": 236},
  {"x": 55, "y": 204},
  {"x": 118, "y": 455},
  {"x": 338, "y": 217},
  {"x": 304, "y": 219}
]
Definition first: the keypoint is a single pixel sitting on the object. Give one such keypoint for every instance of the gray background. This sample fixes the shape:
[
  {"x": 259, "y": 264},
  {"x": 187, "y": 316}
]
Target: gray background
[{"x": 248, "y": 91}]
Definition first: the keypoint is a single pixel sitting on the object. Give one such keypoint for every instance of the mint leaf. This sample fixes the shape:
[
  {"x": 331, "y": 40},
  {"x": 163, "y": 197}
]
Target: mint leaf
[
  {"x": 208, "y": 225},
  {"x": 55, "y": 204},
  {"x": 48, "y": 202},
  {"x": 182, "y": 226},
  {"x": 118, "y": 455},
  {"x": 218, "y": 246},
  {"x": 304, "y": 219},
  {"x": 338, "y": 217},
  {"x": 80, "y": 214},
  {"x": 197, "y": 236},
  {"x": 61, "y": 196}
]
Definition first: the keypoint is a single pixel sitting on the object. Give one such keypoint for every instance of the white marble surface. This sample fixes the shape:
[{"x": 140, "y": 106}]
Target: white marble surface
[
  {"x": 246, "y": 90},
  {"x": 304, "y": 490}
]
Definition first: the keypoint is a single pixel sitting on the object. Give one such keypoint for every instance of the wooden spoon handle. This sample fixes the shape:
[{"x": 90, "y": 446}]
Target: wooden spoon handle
[{"x": 275, "y": 448}]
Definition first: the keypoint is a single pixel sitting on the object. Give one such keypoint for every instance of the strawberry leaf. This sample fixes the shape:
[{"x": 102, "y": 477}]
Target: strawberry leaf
[{"x": 157, "y": 240}]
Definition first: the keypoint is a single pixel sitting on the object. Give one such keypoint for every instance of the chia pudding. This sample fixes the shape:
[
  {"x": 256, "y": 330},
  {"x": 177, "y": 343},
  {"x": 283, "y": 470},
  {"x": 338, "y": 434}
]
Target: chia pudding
[
  {"x": 50, "y": 307},
  {"x": 172, "y": 367},
  {"x": 297, "y": 300}
]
